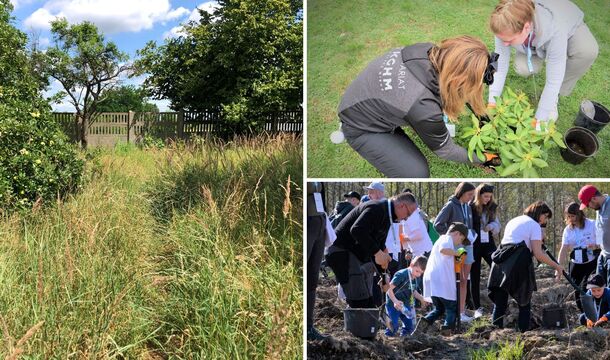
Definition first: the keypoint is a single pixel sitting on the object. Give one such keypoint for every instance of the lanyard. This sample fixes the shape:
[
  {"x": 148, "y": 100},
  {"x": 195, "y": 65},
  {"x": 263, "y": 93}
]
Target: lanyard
[
  {"x": 465, "y": 214},
  {"x": 530, "y": 66},
  {"x": 392, "y": 223},
  {"x": 600, "y": 219}
]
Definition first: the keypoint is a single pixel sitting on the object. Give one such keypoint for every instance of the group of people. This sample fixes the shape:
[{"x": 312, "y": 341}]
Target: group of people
[
  {"x": 390, "y": 238},
  {"x": 425, "y": 86}
]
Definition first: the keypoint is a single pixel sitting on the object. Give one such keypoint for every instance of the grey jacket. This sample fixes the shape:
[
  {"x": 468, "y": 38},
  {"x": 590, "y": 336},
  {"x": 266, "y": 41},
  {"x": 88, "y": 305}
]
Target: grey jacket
[
  {"x": 453, "y": 211},
  {"x": 397, "y": 89},
  {"x": 555, "y": 21}
]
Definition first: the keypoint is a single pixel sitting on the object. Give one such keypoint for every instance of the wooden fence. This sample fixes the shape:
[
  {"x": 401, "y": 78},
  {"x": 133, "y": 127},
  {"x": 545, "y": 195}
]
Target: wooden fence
[{"x": 108, "y": 129}]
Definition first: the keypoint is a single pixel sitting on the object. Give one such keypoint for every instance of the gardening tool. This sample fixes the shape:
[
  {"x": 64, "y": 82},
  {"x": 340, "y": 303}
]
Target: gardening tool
[
  {"x": 586, "y": 300},
  {"x": 459, "y": 261}
]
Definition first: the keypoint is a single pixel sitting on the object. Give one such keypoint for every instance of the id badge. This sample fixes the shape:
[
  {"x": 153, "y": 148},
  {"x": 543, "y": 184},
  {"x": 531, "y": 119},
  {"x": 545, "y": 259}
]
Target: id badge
[
  {"x": 484, "y": 237},
  {"x": 578, "y": 256}
]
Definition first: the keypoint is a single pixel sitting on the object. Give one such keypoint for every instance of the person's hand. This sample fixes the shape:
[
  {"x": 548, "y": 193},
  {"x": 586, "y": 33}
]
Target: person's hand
[
  {"x": 382, "y": 259},
  {"x": 602, "y": 320},
  {"x": 558, "y": 273},
  {"x": 488, "y": 228},
  {"x": 460, "y": 253},
  {"x": 408, "y": 255},
  {"x": 491, "y": 106},
  {"x": 398, "y": 305},
  {"x": 589, "y": 323},
  {"x": 492, "y": 160}
]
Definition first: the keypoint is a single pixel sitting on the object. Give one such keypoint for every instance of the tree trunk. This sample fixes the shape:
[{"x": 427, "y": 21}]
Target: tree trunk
[{"x": 82, "y": 131}]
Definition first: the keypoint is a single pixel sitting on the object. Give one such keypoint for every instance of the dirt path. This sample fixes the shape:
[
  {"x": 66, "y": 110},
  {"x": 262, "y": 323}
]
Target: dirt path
[{"x": 571, "y": 343}]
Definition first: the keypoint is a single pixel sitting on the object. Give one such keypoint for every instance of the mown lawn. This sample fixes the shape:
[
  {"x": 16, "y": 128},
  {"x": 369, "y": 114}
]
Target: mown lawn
[
  {"x": 343, "y": 36},
  {"x": 186, "y": 252}
]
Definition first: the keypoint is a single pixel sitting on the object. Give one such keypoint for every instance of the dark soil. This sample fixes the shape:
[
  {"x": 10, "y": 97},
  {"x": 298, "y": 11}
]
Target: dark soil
[
  {"x": 576, "y": 147},
  {"x": 573, "y": 342}
]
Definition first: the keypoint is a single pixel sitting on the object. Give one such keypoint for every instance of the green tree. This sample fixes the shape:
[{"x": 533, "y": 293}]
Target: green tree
[
  {"x": 245, "y": 59},
  {"x": 36, "y": 159},
  {"x": 126, "y": 98},
  {"x": 86, "y": 66}
]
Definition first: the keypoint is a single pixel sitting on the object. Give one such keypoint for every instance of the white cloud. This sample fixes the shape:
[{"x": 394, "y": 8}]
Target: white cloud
[
  {"x": 44, "y": 42},
  {"x": 111, "y": 16},
  {"x": 40, "y": 19},
  {"x": 177, "y": 31},
  {"x": 15, "y": 3}
]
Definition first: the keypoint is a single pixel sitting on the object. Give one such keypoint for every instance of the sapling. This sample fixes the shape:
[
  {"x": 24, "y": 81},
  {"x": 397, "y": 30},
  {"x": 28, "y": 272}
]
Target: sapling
[{"x": 511, "y": 133}]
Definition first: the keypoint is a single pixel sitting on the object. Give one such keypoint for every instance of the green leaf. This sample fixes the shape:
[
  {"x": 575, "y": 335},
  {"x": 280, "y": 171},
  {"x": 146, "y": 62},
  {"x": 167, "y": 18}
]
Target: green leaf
[
  {"x": 540, "y": 163},
  {"x": 510, "y": 169},
  {"x": 558, "y": 140},
  {"x": 530, "y": 173},
  {"x": 480, "y": 155}
]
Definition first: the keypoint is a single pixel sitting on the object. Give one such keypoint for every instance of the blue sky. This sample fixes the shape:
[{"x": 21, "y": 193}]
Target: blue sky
[{"x": 128, "y": 23}]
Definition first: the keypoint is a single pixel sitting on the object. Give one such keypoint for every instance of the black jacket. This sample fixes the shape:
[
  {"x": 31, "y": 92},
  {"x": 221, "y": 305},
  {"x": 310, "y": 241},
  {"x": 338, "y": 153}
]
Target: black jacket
[
  {"x": 342, "y": 208},
  {"x": 513, "y": 271},
  {"x": 364, "y": 230},
  {"x": 479, "y": 247}
]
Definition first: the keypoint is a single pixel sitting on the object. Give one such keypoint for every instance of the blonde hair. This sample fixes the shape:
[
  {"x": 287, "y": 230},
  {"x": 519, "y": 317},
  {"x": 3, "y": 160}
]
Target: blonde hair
[
  {"x": 511, "y": 16},
  {"x": 461, "y": 63}
]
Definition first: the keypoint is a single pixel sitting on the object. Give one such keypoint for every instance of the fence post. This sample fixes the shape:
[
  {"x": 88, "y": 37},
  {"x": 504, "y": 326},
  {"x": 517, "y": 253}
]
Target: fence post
[
  {"x": 180, "y": 125},
  {"x": 130, "y": 128}
]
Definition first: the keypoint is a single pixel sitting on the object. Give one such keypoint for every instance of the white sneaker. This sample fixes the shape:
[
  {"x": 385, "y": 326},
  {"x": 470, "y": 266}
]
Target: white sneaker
[
  {"x": 478, "y": 313},
  {"x": 465, "y": 318}
]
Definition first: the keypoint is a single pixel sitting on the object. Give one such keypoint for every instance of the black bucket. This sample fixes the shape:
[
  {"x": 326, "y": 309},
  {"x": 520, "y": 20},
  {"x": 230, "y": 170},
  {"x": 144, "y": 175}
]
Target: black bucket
[
  {"x": 581, "y": 144},
  {"x": 554, "y": 317},
  {"x": 592, "y": 115},
  {"x": 361, "y": 322}
]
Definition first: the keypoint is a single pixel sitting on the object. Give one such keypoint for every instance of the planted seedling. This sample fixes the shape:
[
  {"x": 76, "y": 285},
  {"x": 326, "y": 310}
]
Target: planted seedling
[{"x": 511, "y": 133}]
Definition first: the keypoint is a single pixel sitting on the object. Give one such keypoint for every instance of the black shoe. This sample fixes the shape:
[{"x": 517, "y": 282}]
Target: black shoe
[
  {"x": 422, "y": 327},
  {"x": 314, "y": 334}
]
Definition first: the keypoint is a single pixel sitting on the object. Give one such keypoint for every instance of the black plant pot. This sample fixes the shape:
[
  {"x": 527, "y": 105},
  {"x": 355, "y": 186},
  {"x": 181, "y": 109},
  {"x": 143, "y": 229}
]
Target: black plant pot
[
  {"x": 581, "y": 144},
  {"x": 592, "y": 115}
]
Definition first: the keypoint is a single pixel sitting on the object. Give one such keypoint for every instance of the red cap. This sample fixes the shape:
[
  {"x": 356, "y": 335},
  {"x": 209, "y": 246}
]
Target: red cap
[{"x": 585, "y": 194}]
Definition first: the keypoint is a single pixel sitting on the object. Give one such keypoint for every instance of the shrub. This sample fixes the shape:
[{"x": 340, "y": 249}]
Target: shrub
[{"x": 511, "y": 133}]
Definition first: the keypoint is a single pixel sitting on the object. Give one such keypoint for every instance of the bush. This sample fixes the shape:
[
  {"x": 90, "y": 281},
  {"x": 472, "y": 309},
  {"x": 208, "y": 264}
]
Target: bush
[
  {"x": 511, "y": 133},
  {"x": 36, "y": 159}
]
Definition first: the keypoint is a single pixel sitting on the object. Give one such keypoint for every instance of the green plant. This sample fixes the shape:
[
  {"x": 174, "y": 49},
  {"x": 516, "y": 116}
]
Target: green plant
[
  {"x": 511, "y": 133},
  {"x": 506, "y": 351}
]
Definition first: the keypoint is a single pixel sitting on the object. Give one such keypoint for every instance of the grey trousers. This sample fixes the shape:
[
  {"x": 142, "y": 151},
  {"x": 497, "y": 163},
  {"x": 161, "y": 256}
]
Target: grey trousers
[
  {"x": 582, "y": 52},
  {"x": 392, "y": 153},
  {"x": 316, "y": 231},
  {"x": 355, "y": 277}
]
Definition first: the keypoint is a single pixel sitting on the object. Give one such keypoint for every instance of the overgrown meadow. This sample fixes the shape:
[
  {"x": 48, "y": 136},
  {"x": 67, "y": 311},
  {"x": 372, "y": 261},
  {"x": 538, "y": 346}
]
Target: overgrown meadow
[{"x": 189, "y": 251}]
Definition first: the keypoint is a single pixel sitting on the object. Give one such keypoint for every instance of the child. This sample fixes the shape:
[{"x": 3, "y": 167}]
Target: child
[
  {"x": 601, "y": 297},
  {"x": 400, "y": 297},
  {"x": 439, "y": 279}
]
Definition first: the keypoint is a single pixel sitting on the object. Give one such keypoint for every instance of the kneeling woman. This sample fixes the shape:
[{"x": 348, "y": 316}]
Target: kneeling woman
[
  {"x": 512, "y": 271},
  {"x": 416, "y": 86}
]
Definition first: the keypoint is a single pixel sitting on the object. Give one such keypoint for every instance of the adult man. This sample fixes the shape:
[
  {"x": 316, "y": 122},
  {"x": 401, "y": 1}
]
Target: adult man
[
  {"x": 375, "y": 191},
  {"x": 360, "y": 244},
  {"x": 316, "y": 234},
  {"x": 590, "y": 197},
  {"x": 342, "y": 208}
]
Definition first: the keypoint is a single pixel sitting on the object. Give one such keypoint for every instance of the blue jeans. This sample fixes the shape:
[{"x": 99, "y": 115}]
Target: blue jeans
[
  {"x": 443, "y": 306},
  {"x": 603, "y": 266},
  {"x": 394, "y": 315}
]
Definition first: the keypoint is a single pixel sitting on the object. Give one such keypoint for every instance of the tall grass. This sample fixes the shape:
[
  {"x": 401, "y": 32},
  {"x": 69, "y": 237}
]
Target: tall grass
[{"x": 112, "y": 273}]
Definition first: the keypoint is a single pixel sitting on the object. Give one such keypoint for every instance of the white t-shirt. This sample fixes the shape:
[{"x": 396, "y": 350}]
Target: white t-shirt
[
  {"x": 522, "y": 228},
  {"x": 418, "y": 234},
  {"x": 392, "y": 243},
  {"x": 580, "y": 238},
  {"x": 439, "y": 277}
]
